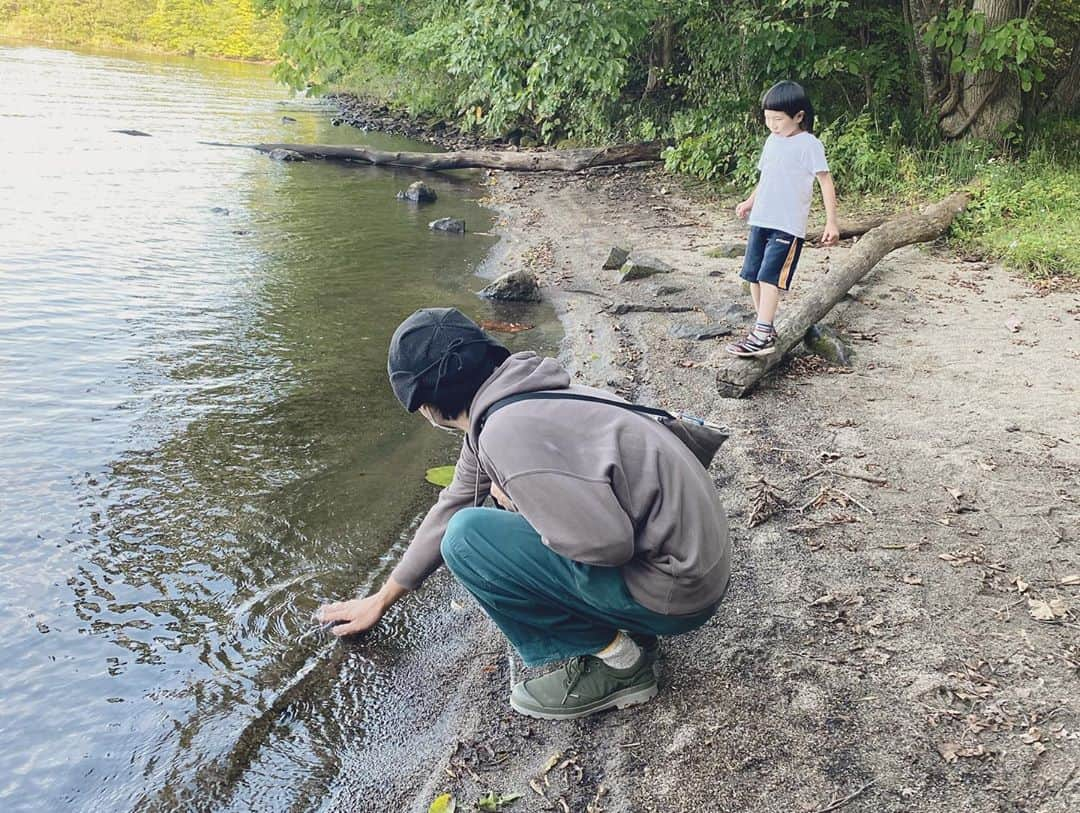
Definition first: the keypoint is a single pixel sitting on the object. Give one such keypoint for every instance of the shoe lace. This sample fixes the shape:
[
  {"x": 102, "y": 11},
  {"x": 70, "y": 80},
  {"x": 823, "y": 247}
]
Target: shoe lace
[{"x": 575, "y": 668}]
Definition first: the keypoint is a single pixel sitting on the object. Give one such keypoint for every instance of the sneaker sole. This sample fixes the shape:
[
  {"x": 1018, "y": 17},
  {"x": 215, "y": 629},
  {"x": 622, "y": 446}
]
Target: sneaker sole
[
  {"x": 619, "y": 700},
  {"x": 768, "y": 351}
]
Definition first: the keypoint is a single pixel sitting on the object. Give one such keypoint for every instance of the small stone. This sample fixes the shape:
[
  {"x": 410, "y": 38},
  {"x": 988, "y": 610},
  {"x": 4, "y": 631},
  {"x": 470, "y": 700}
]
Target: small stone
[
  {"x": 281, "y": 154},
  {"x": 729, "y": 251},
  {"x": 219, "y": 210},
  {"x": 517, "y": 286},
  {"x": 288, "y": 120},
  {"x": 825, "y": 342},
  {"x": 639, "y": 266},
  {"x": 418, "y": 192},
  {"x": 450, "y": 224},
  {"x": 615, "y": 258},
  {"x": 668, "y": 290}
]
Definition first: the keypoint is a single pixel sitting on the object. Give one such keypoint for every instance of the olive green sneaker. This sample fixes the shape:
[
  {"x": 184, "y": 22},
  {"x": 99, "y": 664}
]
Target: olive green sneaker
[{"x": 584, "y": 686}]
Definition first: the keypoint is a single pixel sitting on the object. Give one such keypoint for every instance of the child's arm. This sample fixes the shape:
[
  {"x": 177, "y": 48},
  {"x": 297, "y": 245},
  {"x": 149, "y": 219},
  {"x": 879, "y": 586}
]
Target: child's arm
[
  {"x": 743, "y": 209},
  {"x": 831, "y": 235}
]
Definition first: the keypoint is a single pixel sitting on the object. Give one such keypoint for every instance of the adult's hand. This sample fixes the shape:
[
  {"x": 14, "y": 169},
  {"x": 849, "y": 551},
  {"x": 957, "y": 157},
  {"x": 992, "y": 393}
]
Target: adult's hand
[{"x": 360, "y": 614}]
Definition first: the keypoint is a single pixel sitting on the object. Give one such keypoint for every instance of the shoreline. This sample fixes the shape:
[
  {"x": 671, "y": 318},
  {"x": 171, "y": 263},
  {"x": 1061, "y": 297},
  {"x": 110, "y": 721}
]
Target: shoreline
[{"x": 882, "y": 636}]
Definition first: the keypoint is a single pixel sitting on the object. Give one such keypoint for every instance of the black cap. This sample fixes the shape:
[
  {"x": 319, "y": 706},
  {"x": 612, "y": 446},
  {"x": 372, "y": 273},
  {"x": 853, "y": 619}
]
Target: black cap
[{"x": 437, "y": 348}]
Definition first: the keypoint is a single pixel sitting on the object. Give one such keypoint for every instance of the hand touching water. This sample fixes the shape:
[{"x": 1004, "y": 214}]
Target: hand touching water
[{"x": 360, "y": 614}]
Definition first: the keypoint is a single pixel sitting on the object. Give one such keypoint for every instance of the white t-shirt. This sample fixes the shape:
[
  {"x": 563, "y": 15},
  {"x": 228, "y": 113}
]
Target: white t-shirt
[{"x": 788, "y": 165}]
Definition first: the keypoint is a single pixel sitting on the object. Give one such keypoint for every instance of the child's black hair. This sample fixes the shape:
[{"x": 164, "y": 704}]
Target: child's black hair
[{"x": 789, "y": 97}]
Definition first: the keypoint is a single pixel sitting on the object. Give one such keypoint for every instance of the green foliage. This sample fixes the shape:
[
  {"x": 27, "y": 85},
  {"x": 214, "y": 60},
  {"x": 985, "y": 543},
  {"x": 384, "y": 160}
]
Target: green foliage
[
  {"x": 229, "y": 28},
  {"x": 1018, "y": 46},
  {"x": 555, "y": 66}
]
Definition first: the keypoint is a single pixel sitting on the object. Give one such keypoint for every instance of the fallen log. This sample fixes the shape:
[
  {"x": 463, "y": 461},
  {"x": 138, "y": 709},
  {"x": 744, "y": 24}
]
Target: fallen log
[
  {"x": 531, "y": 161},
  {"x": 737, "y": 376},
  {"x": 849, "y": 228}
]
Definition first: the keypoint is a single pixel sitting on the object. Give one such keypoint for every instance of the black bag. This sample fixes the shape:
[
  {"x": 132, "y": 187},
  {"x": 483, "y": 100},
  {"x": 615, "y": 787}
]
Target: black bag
[{"x": 702, "y": 438}]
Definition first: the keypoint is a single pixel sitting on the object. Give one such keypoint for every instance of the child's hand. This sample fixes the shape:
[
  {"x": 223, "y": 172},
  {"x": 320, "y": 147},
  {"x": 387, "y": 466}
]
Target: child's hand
[
  {"x": 831, "y": 235},
  {"x": 742, "y": 210}
]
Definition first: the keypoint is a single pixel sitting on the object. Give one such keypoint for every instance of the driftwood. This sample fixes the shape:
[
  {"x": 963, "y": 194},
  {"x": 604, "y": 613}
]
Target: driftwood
[
  {"x": 849, "y": 228},
  {"x": 531, "y": 161},
  {"x": 737, "y": 376}
]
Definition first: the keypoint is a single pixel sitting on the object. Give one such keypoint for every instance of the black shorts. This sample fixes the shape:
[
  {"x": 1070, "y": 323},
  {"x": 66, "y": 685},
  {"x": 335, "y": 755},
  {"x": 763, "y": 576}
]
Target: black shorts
[{"x": 771, "y": 257}]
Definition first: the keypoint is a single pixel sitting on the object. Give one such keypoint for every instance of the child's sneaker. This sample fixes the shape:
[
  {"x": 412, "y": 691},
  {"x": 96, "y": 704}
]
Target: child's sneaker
[{"x": 753, "y": 346}]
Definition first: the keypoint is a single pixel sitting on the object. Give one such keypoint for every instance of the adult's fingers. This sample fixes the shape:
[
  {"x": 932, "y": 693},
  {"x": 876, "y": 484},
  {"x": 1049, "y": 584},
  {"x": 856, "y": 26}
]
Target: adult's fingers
[
  {"x": 338, "y": 611},
  {"x": 348, "y": 629}
]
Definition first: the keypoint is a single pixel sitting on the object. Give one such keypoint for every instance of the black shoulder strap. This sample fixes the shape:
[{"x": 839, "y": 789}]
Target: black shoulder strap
[{"x": 569, "y": 396}]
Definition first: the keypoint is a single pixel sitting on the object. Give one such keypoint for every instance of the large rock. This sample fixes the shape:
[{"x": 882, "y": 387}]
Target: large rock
[
  {"x": 823, "y": 341},
  {"x": 700, "y": 332},
  {"x": 450, "y": 224},
  {"x": 517, "y": 286},
  {"x": 615, "y": 258},
  {"x": 639, "y": 266},
  {"x": 418, "y": 192}
]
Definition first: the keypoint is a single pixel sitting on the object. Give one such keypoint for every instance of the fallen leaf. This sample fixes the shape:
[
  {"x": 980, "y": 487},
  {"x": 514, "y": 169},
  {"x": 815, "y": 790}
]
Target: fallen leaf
[
  {"x": 552, "y": 761},
  {"x": 951, "y": 751},
  {"x": 1071, "y": 579},
  {"x": 1047, "y": 610},
  {"x": 440, "y": 475},
  {"x": 1033, "y": 735},
  {"x": 1021, "y": 585},
  {"x": 911, "y": 578},
  {"x": 494, "y": 802},
  {"x": 1013, "y": 323},
  {"x": 687, "y": 363},
  {"x": 537, "y": 788},
  {"x": 821, "y": 601},
  {"x": 443, "y": 804}
]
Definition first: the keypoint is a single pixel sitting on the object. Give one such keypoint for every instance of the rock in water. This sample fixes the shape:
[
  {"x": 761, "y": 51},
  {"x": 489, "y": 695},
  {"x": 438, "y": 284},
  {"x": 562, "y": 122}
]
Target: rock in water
[
  {"x": 281, "y": 154},
  {"x": 450, "y": 224},
  {"x": 418, "y": 192},
  {"x": 639, "y": 266},
  {"x": 823, "y": 341},
  {"x": 615, "y": 258},
  {"x": 517, "y": 286}
]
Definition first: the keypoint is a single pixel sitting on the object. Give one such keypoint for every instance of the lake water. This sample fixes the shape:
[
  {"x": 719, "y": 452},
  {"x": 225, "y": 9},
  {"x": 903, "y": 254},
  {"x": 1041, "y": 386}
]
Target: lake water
[{"x": 198, "y": 444}]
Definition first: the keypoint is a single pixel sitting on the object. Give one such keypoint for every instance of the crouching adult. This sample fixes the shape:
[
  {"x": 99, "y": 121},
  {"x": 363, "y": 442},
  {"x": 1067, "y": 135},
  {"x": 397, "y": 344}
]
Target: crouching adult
[{"x": 611, "y": 535}]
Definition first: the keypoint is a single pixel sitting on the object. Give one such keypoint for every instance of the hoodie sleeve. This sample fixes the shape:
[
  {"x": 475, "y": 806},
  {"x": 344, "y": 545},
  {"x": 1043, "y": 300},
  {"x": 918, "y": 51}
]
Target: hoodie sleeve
[
  {"x": 469, "y": 487},
  {"x": 576, "y": 517}
]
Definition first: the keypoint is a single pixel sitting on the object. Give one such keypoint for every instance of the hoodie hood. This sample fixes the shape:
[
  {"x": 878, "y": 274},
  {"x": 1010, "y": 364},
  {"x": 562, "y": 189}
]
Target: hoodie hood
[{"x": 522, "y": 372}]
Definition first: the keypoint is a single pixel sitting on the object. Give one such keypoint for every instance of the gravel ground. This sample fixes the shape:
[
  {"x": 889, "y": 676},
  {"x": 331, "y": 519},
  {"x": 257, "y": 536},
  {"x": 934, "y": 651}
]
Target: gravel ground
[{"x": 901, "y": 633}]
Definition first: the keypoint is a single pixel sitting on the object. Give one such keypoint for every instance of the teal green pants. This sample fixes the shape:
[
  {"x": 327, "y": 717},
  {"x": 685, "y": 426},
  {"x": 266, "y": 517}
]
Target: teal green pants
[{"x": 550, "y": 607}]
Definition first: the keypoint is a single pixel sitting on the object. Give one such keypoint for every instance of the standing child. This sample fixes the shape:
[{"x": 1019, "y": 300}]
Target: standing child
[{"x": 779, "y": 206}]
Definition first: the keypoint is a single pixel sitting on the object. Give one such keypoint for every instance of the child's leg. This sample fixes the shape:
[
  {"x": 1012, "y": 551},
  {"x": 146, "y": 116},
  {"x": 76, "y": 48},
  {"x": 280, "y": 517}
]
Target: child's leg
[
  {"x": 767, "y": 301},
  {"x": 755, "y": 294},
  {"x": 775, "y": 272}
]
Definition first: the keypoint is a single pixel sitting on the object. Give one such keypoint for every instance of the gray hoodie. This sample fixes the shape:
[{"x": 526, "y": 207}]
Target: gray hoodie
[{"x": 600, "y": 484}]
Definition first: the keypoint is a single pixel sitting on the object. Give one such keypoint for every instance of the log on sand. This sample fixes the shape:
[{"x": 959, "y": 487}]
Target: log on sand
[
  {"x": 531, "y": 161},
  {"x": 849, "y": 228},
  {"x": 737, "y": 376}
]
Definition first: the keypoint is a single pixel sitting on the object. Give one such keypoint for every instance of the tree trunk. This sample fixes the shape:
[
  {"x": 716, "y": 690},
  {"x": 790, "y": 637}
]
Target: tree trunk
[
  {"x": 1064, "y": 97},
  {"x": 737, "y": 376},
  {"x": 548, "y": 160},
  {"x": 989, "y": 102}
]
